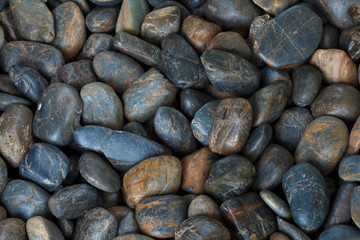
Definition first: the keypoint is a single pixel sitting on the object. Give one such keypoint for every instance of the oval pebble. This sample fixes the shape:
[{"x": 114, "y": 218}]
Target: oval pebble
[
  {"x": 349, "y": 169},
  {"x": 39, "y": 228},
  {"x": 102, "y": 19},
  {"x": 96, "y": 43},
  {"x": 291, "y": 230},
  {"x": 7, "y": 100},
  {"x": 276, "y": 204}
]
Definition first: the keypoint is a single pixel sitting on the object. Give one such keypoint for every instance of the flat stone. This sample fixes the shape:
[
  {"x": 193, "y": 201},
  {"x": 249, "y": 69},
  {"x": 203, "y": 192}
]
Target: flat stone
[
  {"x": 12, "y": 228},
  {"x": 203, "y": 205},
  {"x": 39, "y": 228},
  {"x": 340, "y": 231},
  {"x": 128, "y": 225},
  {"x": 131, "y": 16},
  {"x": 192, "y": 100},
  {"x": 354, "y": 205},
  {"x": 290, "y": 230},
  {"x": 276, "y": 204},
  {"x": 102, "y": 19},
  {"x": 96, "y": 43}
]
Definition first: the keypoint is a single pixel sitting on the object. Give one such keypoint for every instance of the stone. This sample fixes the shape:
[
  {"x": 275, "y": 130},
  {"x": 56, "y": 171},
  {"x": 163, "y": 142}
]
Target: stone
[
  {"x": 102, "y": 19},
  {"x": 330, "y": 38},
  {"x": 119, "y": 212},
  {"x": 274, "y": 7},
  {"x": 306, "y": 84},
  {"x": 276, "y": 204},
  {"x": 73, "y": 170},
  {"x": 16, "y": 136},
  {"x": 70, "y": 30},
  {"x": 12, "y": 228},
  {"x": 45, "y": 165},
  {"x": 306, "y": 192},
  {"x": 24, "y": 200},
  {"x": 3, "y": 181},
  {"x": 131, "y": 16},
  {"x": 110, "y": 199},
  {"x": 173, "y": 129},
  {"x": 349, "y": 168},
  {"x": 257, "y": 142},
  {"x": 146, "y": 94},
  {"x": 58, "y": 114},
  {"x": 133, "y": 237},
  {"x": 291, "y": 125},
  {"x": 256, "y": 26},
  {"x": 355, "y": 206},
  {"x": 278, "y": 236},
  {"x": 106, "y": 3},
  {"x": 122, "y": 149},
  {"x": 349, "y": 41},
  {"x": 160, "y": 23},
  {"x": 66, "y": 226},
  {"x": 181, "y": 64},
  {"x": 45, "y": 59},
  {"x": 290, "y": 230},
  {"x": 193, "y": 4},
  {"x": 271, "y": 167},
  {"x": 203, "y": 205},
  {"x": 184, "y": 12},
  {"x": 241, "y": 211},
  {"x": 230, "y": 73},
  {"x": 136, "y": 128},
  {"x": 192, "y": 100},
  {"x": 72, "y": 202},
  {"x": 128, "y": 225},
  {"x": 97, "y": 223},
  {"x": 39, "y": 228},
  {"x": 96, "y": 43},
  {"x": 8, "y": 24},
  {"x": 196, "y": 169},
  {"x": 6, "y": 100},
  {"x": 33, "y": 20},
  {"x": 152, "y": 177},
  {"x": 7, "y": 86},
  {"x": 230, "y": 177},
  {"x": 336, "y": 66},
  {"x": 289, "y": 39},
  {"x": 202, "y": 227},
  {"x": 354, "y": 139},
  {"x": 83, "y": 5},
  {"x": 340, "y": 231},
  {"x": 101, "y": 106},
  {"x": 159, "y": 216}
]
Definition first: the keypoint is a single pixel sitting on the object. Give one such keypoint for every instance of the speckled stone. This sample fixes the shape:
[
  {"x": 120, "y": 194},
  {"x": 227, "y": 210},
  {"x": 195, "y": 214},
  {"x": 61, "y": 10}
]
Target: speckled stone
[
  {"x": 101, "y": 106},
  {"x": 133, "y": 237},
  {"x": 16, "y": 134},
  {"x": 276, "y": 204},
  {"x": 201, "y": 227},
  {"x": 290, "y": 230},
  {"x": 136, "y": 128},
  {"x": 146, "y": 94},
  {"x": 328, "y": 138},
  {"x": 258, "y": 140},
  {"x": 151, "y": 177},
  {"x": 349, "y": 41},
  {"x": 23, "y": 199},
  {"x": 160, "y": 216},
  {"x": 128, "y": 70},
  {"x": 340, "y": 231},
  {"x": 349, "y": 169},
  {"x": 58, "y": 114},
  {"x": 192, "y": 100},
  {"x": 355, "y": 205},
  {"x": 96, "y": 43},
  {"x": 7, "y": 86},
  {"x": 3, "y": 181},
  {"x": 354, "y": 139},
  {"x": 131, "y": 16},
  {"x": 249, "y": 216},
  {"x": 72, "y": 202},
  {"x": 306, "y": 192},
  {"x": 39, "y": 228},
  {"x": 230, "y": 177},
  {"x": 66, "y": 226},
  {"x": 102, "y": 19},
  {"x": 128, "y": 225},
  {"x": 97, "y": 223},
  {"x": 203, "y": 205},
  {"x": 12, "y": 228},
  {"x": 6, "y": 100}
]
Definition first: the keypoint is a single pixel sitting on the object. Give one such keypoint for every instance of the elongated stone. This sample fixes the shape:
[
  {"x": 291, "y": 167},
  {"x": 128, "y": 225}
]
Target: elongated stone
[
  {"x": 39, "y": 228},
  {"x": 276, "y": 204},
  {"x": 6, "y": 100},
  {"x": 354, "y": 139},
  {"x": 7, "y": 86},
  {"x": 12, "y": 228},
  {"x": 96, "y": 43},
  {"x": 192, "y": 100},
  {"x": 340, "y": 231},
  {"x": 102, "y": 19},
  {"x": 290, "y": 230},
  {"x": 132, "y": 16}
]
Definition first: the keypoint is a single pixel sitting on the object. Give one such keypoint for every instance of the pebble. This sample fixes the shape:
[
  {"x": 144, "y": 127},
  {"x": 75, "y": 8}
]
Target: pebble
[
  {"x": 128, "y": 225},
  {"x": 102, "y": 19},
  {"x": 39, "y": 228},
  {"x": 96, "y": 43},
  {"x": 131, "y": 16},
  {"x": 330, "y": 38},
  {"x": 6, "y": 100},
  {"x": 119, "y": 212},
  {"x": 9, "y": 26},
  {"x": 3, "y": 213},
  {"x": 355, "y": 206},
  {"x": 184, "y": 12},
  {"x": 8, "y": 87},
  {"x": 110, "y": 199},
  {"x": 349, "y": 168},
  {"x": 12, "y": 228},
  {"x": 290, "y": 230},
  {"x": 349, "y": 41},
  {"x": 203, "y": 205},
  {"x": 276, "y": 204},
  {"x": 192, "y": 100},
  {"x": 278, "y": 236},
  {"x": 66, "y": 226},
  {"x": 340, "y": 231},
  {"x": 136, "y": 128},
  {"x": 133, "y": 237},
  {"x": 274, "y": 7},
  {"x": 354, "y": 139}
]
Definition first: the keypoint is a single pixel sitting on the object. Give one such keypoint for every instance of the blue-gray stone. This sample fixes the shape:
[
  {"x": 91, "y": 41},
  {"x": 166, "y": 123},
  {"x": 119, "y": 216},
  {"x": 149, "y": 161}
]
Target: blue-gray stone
[
  {"x": 343, "y": 232},
  {"x": 7, "y": 100}
]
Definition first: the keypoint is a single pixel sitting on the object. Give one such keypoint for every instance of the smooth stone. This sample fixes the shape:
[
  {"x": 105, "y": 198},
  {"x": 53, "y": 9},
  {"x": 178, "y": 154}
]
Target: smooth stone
[
  {"x": 196, "y": 169},
  {"x": 184, "y": 12},
  {"x": 340, "y": 209},
  {"x": 101, "y": 106},
  {"x": 231, "y": 42},
  {"x": 159, "y": 216},
  {"x": 119, "y": 212},
  {"x": 271, "y": 167},
  {"x": 230, "y": 177},
  {"x": 354, "y": 206},
  {"x": 102, "y": 19},
  {"x": 237, "y": 14},
  {"x": 354, "y": 139},
  {"x": 28, "y": 81},
  {"x": 16, "y": 135},
  {"x": 256, "y": 26},
  {"x": 202, "y": 227},
  {"x": 97, "y": 223},
  {"x": 274, "y": 7},
  {"x": 291, "y": 125},
  {"x": 336, "y": 66},
  {"x": 230, "y": 73},
  {"x": 8, "y": 24},
  {"x": 268, "y": 103},
  {"x": 257, "y": 142},
  {"x": 146, "y": 94},
  {"x": 151, "y": 177},
  {"x": 58, "y": 114},
  {"x": 106, "y": 3},
  {"x": 306, "y": 84},
  {"x": 278, "y": 236},
  {"x": 6, "y": 100},
  {"x": 128, "y": 225},
  {"x": 203, "y": 205},
  {"x": 136, "y": 128},
  {"x": 193, "y": 4},
  {"x": 45, "y": 165},
  {"x": 160, "y": 23},
  {"x": 96, "y": 43},
  {"x": 33, "y": 20},
  {"x": 137, "y": 48},
  {"x": 73, "y": 201},
  {"x": 291, "y": 230},
  {"x": 24, "y": 200},
  {"x": 133, "y": 236},
  {"x": 83, "y": 5},
  {"x": 155, "y": 3},
  {"x": 45, "y": 59},
  {"x": 289, "y": 39},
  {"x": 276, "y": 204},
  {"x": 3, "y": 181},
  {"x": 219, "y": 94},
  {"x": 349, "y": 41},
  {"x": 173, "y": 129},
  {"x": 230, "y": 126},
  {"x": 122, "y": 149},
  {"x": 241, "y": 211},
  {"x": 338, "y": 100},
  {"x": 181, "y": 64},
  {"x": 66, "y": 226},
  {"x": 330, "y": 38},
  {"x": 201, "y": 122},
  {"x": 340, "y": 231},
  {"x": 98, "y": 172},
  {"x": 132, "y": 16},
  {"x": 306, "y": 192},
  {"x": 76, "y": 74},
  {"x": 7, "y": 86},
  {"x": 12, "y": 228},
  {"x": 73, "y": 170},
  {"x": 192, "y": 100},
  {"x": 39, "y": 228},
  {"x": 110, "y": 199},
  {"x": 349, "y": 169}
]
